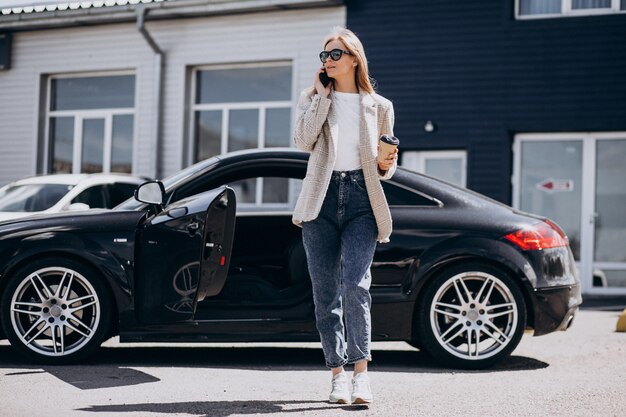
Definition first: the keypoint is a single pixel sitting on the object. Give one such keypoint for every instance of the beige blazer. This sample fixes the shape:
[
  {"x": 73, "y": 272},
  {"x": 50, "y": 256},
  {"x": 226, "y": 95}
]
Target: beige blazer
[{"x": 316, "y": 132}]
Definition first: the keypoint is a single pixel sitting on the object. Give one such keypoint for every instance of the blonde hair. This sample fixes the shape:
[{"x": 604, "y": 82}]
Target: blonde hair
[{"x": 355, "y": 47}]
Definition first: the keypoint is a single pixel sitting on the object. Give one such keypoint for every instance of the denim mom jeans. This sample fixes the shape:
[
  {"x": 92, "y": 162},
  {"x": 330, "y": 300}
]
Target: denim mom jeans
[{"x": 340, "y": 245}]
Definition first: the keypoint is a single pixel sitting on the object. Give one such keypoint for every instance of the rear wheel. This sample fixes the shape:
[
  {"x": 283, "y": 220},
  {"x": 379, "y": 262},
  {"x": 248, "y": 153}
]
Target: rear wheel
[
  {"x": 471, "y": 316},
  {"x": 55, "y": 311}
]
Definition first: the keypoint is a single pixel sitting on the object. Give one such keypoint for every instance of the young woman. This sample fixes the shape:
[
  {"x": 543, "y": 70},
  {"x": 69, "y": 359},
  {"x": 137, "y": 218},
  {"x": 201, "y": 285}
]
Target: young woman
[{"x": 342, "y": 208}]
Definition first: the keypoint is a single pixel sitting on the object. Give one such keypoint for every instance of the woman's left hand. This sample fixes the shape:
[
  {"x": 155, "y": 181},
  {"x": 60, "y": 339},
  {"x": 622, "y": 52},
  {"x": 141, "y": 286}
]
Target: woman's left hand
[{"x": 387, "y": 163}]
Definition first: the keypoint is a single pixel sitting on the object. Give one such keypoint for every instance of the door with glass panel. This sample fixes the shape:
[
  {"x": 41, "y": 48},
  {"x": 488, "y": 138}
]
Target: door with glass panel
[
  {"x": 609, "y": 217},
  {"x": 579, "y": 181}
]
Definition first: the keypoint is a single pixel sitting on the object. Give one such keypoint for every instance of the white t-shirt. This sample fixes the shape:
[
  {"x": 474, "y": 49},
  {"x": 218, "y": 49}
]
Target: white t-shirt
[{"x": 348, "y": 110}]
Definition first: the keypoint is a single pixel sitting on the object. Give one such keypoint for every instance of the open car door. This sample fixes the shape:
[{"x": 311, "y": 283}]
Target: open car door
[
  {"x": 183, "y": 254},
  {"x": 217, "y": 244}
]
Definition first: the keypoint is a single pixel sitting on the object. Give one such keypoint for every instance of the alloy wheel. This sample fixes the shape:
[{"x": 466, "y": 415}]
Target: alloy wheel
[
  {"x": 55, "y": 311},
  {"x": 474, "y": 315}
]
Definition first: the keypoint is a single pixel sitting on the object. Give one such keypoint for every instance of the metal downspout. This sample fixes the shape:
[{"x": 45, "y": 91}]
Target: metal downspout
[{"x": 157, "y": 108}]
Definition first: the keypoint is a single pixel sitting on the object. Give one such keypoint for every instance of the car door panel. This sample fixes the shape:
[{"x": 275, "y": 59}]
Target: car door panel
[
  {"x": 217, "y": 245},
  {"x": 183, "y": 254}
]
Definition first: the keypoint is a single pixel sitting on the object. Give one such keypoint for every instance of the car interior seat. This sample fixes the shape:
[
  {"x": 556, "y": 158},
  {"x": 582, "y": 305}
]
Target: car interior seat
[{"x": 266, "y": 284}]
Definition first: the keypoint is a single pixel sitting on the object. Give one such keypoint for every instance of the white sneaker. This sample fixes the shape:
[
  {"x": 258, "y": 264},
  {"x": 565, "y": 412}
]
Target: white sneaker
[
  {"x": 361, "y": 391},
  {"x": 340, "y": 393}
]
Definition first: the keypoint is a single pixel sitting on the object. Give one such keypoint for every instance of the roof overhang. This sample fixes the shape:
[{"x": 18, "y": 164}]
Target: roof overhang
[{"x": 83, "y": 13}]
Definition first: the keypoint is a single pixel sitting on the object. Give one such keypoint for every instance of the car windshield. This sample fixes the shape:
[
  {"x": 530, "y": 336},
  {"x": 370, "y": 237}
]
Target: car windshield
[{"x": 32, "y": 197}]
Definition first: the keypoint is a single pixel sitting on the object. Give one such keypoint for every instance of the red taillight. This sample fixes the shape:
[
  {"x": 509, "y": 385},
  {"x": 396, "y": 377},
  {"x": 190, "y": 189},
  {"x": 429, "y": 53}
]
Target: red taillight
[{"x": 539, "y": 236}]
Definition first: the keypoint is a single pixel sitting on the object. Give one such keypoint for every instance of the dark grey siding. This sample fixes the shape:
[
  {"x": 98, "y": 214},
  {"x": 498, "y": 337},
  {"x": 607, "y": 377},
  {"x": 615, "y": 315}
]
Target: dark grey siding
[{"x": 481, "y": 76}]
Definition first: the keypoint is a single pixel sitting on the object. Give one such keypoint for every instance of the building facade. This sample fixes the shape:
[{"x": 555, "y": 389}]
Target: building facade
[{"x": 521, "y": 100}]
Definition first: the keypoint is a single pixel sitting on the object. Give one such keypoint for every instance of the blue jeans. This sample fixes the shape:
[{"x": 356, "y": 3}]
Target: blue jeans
[{"x": 340, "y": 245}]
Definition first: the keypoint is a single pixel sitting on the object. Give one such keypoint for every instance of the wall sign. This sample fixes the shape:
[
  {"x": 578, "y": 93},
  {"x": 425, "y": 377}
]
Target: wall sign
[{"x": 552, "y": 185}]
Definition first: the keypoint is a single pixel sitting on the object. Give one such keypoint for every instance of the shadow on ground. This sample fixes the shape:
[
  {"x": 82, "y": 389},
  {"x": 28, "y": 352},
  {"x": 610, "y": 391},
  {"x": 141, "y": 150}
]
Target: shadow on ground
[
  {"x": 113, "y": 366},
  {"x": 222, "y": 408}
]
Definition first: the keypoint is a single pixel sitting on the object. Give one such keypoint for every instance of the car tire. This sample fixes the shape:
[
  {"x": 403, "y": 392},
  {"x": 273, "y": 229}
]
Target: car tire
[
  {"x": 56, "y": 311},
  {"x": 471, "y": 316}
]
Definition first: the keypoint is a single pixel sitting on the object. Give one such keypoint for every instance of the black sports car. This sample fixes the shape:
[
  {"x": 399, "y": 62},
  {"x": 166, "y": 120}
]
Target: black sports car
[{"x": 462, "y": 277}]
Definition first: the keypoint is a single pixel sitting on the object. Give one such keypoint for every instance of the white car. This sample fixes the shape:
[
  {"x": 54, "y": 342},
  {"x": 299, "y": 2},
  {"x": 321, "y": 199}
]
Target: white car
[{"x": 65, "y": 192}]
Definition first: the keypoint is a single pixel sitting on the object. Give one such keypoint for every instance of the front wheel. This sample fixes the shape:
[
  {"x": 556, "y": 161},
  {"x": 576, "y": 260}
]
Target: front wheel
[
  {"x": 471, "y": 316},
  {"x": 55, "y": 311}
]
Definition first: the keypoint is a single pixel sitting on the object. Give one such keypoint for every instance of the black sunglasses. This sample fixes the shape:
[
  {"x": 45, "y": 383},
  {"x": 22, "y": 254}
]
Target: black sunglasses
[{"x": 335, "y": 54}]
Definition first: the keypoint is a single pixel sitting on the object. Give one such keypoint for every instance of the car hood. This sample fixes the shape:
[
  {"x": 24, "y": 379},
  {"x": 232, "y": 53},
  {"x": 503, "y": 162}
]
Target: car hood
[{"x": 94, "y": 220}]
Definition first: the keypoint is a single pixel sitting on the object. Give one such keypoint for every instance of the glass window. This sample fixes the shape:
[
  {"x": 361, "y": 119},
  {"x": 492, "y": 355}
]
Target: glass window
[
  {"x": 276, "y": 190},
  {"x": 245, "y": 190},
  {"x": 609, "y": 278},
  {"x": 236, "y": 85},
  {"x": 449, "y": 166},
  {"x": 266, "y": 92},
  {"x": 264, "y": 120},
  {"x": 557, "y": 8},
  {"x": 61, "y": 144},
  {"x": 610, "y": 222},
  {"x": 243, "y": 129},
  {"x": 75, "y": 133},
  {"x": 32, "y": 197},
  {"x": 93, "y": 145},
  {"x": 94, "y": 197},
  {"x": 591, "y": 4},
  {"x": 530, "y": 7},
  {"x": 93, "y": 92},
  {"x": 120, "y": 192},
  {"x": 277, "y": 127},
  {"x": 554, "y": 190},
  {"x": 208, "y": 134},
  {"x": 399, "y": 196},
  {"x": 122, "y": 144},
  {"x": 447, "y": 169}
]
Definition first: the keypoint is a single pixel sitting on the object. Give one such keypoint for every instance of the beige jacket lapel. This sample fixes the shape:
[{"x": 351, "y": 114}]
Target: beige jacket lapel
[{"x": 334, "y": 127}]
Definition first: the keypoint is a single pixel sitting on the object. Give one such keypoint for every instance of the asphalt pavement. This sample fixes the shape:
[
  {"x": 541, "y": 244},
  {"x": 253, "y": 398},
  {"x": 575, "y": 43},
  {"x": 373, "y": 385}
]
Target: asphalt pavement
[{"x": 581, "y": 372}]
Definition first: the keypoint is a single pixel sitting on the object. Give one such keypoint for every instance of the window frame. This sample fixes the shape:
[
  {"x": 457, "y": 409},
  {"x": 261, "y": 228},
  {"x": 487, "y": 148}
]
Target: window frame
[
  {"x": 79, "y": 115},
  {"x": 422, "y": 156},
  {"x": 104, "y": 193},
  {"x": 567, "y": 11},
  {"x": 226, "y": 107},
  {"x": 436, "y": 203}
]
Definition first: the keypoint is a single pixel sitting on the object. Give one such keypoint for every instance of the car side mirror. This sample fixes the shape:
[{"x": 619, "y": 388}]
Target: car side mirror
[
  {"x": 78, "y": 207},
  {"x": 151, "y": 192}
]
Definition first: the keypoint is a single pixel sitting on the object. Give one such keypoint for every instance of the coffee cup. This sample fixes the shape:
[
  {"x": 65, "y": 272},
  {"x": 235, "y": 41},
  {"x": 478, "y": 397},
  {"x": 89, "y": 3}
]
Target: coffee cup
[{"x": 387, "y": 145}]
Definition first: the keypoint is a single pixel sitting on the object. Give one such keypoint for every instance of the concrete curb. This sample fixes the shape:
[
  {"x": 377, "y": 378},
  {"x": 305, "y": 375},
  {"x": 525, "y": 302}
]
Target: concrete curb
[{"x": 621, "y": 322}]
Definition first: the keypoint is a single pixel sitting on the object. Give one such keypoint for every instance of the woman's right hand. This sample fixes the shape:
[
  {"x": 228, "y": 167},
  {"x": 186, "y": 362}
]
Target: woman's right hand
[{"x": 319, "y": 87}]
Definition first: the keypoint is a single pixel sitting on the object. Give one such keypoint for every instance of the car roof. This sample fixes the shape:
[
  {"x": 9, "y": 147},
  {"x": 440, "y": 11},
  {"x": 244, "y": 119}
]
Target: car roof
[{"x": 75, "y": 179}]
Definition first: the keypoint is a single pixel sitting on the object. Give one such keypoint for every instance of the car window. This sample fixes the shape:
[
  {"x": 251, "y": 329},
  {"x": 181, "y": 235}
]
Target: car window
[
  {"x": 276, "y": 188},
  {"x": 397, "y": 195},
  {"x": 32, "y": 197},
  {"x": 94, "y": 197},
  {"x": 273, "y": 187},
  {"x": 266, "y": 193},
  {"x": 119, "y": 192}
]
